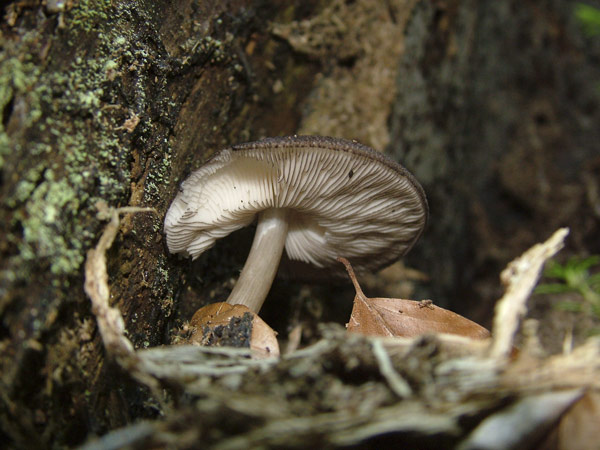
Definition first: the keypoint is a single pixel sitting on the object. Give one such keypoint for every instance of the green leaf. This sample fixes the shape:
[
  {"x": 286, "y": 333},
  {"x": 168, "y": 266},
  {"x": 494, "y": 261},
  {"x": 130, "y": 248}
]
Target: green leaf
[
  {"x": 569, "y": 306},
  {"x": 589, "y": 17},
  {"x": 554, "y": 270},
  {"x": 553, "y": 288},
  {"x": 583, "y": 264}
]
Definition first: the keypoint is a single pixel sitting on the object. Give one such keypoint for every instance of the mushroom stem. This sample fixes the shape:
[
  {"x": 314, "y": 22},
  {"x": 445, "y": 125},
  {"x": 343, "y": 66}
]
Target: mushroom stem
[{"x": 260, "y": 268}]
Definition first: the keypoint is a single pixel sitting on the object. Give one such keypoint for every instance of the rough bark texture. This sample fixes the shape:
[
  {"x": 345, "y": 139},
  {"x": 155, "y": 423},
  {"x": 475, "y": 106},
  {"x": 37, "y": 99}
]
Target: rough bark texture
[
  {"x": 112, "y": 101},
  {"x": 490, "y": 104},
  {"x": 495, "y": 107}
]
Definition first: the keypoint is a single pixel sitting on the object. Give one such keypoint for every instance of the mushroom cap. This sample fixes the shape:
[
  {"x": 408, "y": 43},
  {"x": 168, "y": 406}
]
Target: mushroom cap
[{"x": 343, "y": 199}]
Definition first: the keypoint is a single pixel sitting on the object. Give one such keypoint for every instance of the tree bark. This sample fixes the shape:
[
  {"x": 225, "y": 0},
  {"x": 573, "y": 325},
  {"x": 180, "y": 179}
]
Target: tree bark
[{"x": 114, "y": 102}]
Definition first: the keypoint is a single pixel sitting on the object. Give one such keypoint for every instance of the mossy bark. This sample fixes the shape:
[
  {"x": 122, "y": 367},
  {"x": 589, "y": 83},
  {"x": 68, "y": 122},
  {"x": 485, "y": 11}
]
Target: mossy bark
[{"x": 117, "y": 101}]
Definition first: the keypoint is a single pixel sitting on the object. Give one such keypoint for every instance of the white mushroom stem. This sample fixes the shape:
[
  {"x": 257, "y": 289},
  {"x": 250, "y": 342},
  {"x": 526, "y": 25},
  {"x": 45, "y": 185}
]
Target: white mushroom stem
[{"x": 261, "y": 266}]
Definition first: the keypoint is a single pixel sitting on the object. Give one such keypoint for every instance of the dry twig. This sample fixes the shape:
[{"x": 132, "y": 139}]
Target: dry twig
[{"x": 520, "y": 277}]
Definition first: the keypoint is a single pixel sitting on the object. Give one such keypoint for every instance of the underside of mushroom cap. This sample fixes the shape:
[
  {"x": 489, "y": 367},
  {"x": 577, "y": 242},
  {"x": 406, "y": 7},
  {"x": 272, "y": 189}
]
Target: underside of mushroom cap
[{"x": 343, "y": 199}]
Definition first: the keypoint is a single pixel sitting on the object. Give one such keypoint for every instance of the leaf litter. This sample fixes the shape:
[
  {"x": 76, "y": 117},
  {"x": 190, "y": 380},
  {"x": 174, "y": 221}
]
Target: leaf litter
[{"x": 429, "y": 391}]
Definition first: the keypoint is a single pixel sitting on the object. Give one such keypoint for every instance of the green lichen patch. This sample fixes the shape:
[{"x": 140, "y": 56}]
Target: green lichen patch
[
  {"x": 16, "y": 79},
  {"x": 87, "y": 15},
  {"x": 71, "y": 149}
]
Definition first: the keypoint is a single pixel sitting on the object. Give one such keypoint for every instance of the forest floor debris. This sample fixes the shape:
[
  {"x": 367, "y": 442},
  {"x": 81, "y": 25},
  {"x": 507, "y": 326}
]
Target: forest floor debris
[{"x": 429, "y": 391}]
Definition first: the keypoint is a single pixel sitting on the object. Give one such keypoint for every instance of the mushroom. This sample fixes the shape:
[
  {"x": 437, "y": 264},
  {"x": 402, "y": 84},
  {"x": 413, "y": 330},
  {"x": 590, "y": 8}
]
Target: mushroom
[{"x": 318, "y": 197}]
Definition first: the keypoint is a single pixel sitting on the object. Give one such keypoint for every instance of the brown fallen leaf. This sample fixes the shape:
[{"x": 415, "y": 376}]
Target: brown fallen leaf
[
  {"x": 222, "y": 324},
  {"x": 578, "y": 428},
  {"x": 407, "y": 318}
]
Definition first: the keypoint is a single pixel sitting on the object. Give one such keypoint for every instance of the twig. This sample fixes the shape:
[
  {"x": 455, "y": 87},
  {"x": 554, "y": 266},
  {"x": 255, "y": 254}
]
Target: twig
[
  {"x": 109, "y": 319},
  {"x": 400, "y": 387},
  {"x": 520, "y": 277}
]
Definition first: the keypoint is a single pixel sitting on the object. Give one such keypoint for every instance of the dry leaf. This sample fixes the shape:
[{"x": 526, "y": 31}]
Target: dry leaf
[
  {"x": 222, "y": 324},
  {"x": 407, "y": 318},
  {"x": 578, "y": 428}
]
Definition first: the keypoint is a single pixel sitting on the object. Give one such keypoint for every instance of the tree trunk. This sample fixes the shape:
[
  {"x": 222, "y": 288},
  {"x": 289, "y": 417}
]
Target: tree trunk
[{"x": 117, "y": 101}]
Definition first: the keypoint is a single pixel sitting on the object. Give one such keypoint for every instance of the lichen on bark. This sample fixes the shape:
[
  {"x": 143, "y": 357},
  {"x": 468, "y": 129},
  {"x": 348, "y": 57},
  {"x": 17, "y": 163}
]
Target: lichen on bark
[{"x": 91, "y": 94}]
